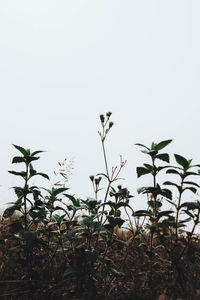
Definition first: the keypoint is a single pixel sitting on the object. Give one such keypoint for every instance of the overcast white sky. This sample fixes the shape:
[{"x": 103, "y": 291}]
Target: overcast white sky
[{"x": 62, "y": 63}]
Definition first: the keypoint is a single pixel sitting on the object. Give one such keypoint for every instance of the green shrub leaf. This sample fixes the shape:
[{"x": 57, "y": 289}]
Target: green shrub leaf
[
  {"x": 181, "y": 161},
  {"x": 162, "y": 145},
  {"x": 142, "y": 171},
  {"x": 163, "y": 156}
]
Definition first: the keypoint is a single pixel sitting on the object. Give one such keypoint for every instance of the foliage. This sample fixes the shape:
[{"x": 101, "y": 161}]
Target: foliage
[{"x": 63, "y": 247}]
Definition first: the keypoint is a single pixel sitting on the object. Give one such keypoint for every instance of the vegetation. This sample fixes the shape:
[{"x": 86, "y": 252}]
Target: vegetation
[{"x": 63, "y": 247}]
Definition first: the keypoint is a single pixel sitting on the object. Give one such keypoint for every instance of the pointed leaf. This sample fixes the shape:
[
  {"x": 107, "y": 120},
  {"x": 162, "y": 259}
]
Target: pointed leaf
[
  {"x": 75, "y": 201},
  {"x": 31, "y": 158},
  {"x": 18, "y": 159},
  {"x": 36, "y": 152},
  {"x": 164, "y": 213},
  {"x": 141, "y": 145},
  {"x": 152, "y": 153},
  {"x": 162, "y": 145},
  {"x": 191, "y": 174},
  {"x": 181, "y": 161},
  {"x": 166, "y": 193},
  {"x": 43, "y": 175},
  {"x": 149, "y": 167},
  {"x": 163, "y": 156},
  {"x": 59, "y": 190},
  {"x": 173, "y": 184},
  {"x": 192, "y": 183},
  {"x": 173, "y": 171},
  {"x": 188, "y": 213},
  {"x": 102, "y": 174},
  {"x": 21, "y": 149},
  {"x": 191, "y": 205},
  {"x": 142, "y": 171},
  {"x": 142, "y": 213},
  {"x": 22, "y": 173},
  {"x": 192, "y": 189}
]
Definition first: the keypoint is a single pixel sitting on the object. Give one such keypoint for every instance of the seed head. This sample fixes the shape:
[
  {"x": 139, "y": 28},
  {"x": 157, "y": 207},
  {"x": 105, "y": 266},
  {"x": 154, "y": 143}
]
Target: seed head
[
  {"x": 110, "y": 124},
  {"x": 108, "y": 114},
  {"x": 92, "y": 178},
  {"x": 96, "y": 181},
  {"x": 102, "y": 118}
]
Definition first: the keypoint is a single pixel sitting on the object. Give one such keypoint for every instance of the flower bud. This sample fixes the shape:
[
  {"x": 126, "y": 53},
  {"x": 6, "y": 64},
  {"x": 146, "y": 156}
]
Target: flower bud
[
  {"x": 111, "y": 124},
  {"x": 96, "y": 181},
  {"x": 102, "y": 118},
  {"x": 108, "y": 114},
  {"x": 92, "y": 178}
]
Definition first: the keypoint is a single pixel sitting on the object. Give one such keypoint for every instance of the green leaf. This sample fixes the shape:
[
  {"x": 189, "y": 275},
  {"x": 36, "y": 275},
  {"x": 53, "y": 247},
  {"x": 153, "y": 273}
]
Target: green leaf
[
  {"x": 141, "y": 145},
  {"x": 172, "y": 171},
  {"x": 191, "y": 174},
  {"x": 173, "y": 184},
  {"x": 166, "y": 193},
  {"x": 30, "y": 158},
  {"x": 21, "y": 149},
  {"x": 36, "y": 152},
  {"x": 18, "y": 159},
  {"x": 43, "y": 175},
  {"x": 142, "y": 213},
  {"x": 164, "y": 213},
  {"x": 188, "y": 213},
  {"x": 115, "y": 221},
  {"x": 75, "y": 201},
  {"x": 149, "y": 167},
  {"x": 22, "y": 173},
  {"x": 163, "y": 156},
  {"x": 162, "y": 145},
  {"x": 152, "y": 153},
  {"x": 192, "y": 183},
  {"x": 59, "y": 191},
  {"x": 87, "y": 220},
  {"x": 181, "y": 161},
  {"x": 191, "y": 205},
  {"x": 142, "y": 171},
  {"x": 102, "y": 174},
  {"x": 192, "y": 189}
]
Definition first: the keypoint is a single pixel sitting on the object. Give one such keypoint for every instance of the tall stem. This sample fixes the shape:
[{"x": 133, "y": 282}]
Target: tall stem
[
  {"x": 105, "y": 159},
  {"x": 154, "y": 185},
  {"x": 25, "y": 194}
]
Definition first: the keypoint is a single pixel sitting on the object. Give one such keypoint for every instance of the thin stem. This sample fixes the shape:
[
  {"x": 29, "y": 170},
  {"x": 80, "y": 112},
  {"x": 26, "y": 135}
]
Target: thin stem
[
  {"x": 178, "y": 208},
  {"x": 154, "y": 185},
  {"x": 105, "y": 159},
  {"x": 25, "y": 194}
]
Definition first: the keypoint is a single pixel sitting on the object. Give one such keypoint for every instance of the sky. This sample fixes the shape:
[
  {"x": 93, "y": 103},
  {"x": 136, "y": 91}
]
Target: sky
[{"x": 63, "y": 63}]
